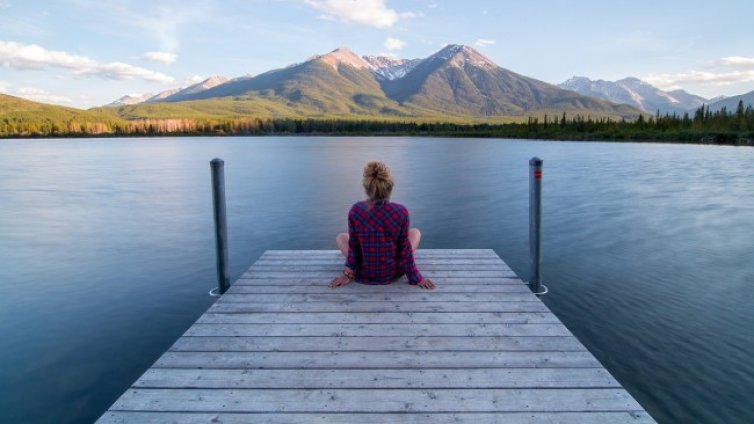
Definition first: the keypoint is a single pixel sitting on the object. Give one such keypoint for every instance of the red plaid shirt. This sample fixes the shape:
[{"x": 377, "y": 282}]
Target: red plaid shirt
[{"x": 378, "y": 248}]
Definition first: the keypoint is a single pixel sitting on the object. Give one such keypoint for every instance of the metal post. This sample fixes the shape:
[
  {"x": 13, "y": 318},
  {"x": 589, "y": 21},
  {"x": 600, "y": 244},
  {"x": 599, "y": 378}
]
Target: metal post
[
  {"x": 221, "y": 228},
  {"x": 535, "y": 224}
]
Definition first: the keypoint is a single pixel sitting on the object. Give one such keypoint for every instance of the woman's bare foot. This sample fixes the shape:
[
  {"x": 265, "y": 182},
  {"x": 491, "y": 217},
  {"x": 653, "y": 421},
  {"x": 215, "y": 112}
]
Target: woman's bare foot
[{"x": 340, "y": 281}]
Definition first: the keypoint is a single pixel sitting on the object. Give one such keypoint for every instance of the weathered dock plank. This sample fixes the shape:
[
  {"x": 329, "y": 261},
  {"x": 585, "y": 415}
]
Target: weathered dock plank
[
  {"x": 561, "y": 417},
  {"x": 374, "y": 400},
  {"x": 343, "y": 297},
  {"x": 282, "y": 347},
  {"x": 441, "y": 358},
  {"x": 376, "y": 344},
  {"x": 381, "y": 318},
  {"x": 373, "y": 306},
  {"x": 430, "y": 378},
  {"x": 375, "y": 330}
]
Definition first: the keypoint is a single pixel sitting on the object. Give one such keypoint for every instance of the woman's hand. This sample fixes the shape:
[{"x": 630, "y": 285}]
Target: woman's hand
[
  {"x": 426, "y": 283},
  {"x": 340, "y": 281}
]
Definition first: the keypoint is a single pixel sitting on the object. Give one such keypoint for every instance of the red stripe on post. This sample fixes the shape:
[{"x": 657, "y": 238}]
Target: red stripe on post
[{"x": 538, "y": 174}]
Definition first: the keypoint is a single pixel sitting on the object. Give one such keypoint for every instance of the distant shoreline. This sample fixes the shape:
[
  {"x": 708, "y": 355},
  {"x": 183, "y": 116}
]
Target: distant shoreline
[
  {"x": 705, "y": 127},
  {"x": 708, "y": 141}
]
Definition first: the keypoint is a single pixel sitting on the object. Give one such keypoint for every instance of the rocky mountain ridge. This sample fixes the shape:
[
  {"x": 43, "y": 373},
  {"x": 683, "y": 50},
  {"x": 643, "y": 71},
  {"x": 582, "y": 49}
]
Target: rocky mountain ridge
[
  {"x": 172, "y": 94},
  {"x": 635, "y": 92},
  {"x": 731, "y": 103}
]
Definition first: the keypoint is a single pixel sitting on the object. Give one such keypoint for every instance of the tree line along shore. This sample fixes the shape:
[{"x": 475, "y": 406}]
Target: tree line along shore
[{"x": 702, "y": 127}]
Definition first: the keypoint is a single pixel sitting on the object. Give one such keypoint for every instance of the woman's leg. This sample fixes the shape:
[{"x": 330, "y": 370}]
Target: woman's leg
[
  {"x": 414, "y": 236},
  {"x": 342, "y": 241}
]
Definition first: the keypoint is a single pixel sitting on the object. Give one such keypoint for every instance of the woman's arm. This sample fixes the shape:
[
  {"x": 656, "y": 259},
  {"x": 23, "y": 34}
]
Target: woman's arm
[
  {"x": 406, "y": 257},
  {"x": 353, "y": 261}
]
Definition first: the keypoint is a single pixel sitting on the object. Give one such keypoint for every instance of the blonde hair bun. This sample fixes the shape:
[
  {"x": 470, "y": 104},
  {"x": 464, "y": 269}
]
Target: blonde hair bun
[
  {"x": 377, "y": 170},
  {"x": 378, "y": 182}
]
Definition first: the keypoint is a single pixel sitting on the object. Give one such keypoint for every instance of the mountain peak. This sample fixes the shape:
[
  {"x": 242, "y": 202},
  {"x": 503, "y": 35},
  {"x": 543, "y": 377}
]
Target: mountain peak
[
  {"x": 460, "y": 55},
  {"x": 131, "y": 99},
  {"x": 208, "y": 83},
  {"x": 633, "y": 81},
  {"x": 343, "y": 56},
  {"x": 214, "y": 80},
  {"x": 576, "y": 80}
]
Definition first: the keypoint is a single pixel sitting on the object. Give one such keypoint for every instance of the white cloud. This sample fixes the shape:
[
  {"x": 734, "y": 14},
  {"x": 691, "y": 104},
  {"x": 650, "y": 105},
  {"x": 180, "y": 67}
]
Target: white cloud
[
  {"x": 738, "y": 61},
  {"x": 161, "y": 57},
  {"x": 368, "y": 12},
  {"x": 326, "y": 17},
  {"x": 124, "y": 71},
  {"x": 196, "y": 79},
  {"x": 483, "y": 42},
  {"x": 672, "y": 81},
  {"x": 37, "y": 95},
  {"x": 726, "y": 71},
  {"x": 394, "y": 44},
  {"x": 33, "y": 57},
  {"x": 5, "y": 4}
]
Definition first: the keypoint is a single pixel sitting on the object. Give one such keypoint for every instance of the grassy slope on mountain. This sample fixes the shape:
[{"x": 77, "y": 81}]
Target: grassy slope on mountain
[
  {"x": 240, "y": 107},
  {"x": 312, "y": 88},
  {"x": 207, "y": 109},
  {"x": 14, "y": 109}
]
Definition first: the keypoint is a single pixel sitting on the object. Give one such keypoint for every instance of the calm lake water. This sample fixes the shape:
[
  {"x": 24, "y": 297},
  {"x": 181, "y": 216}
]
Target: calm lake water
[{"x": 106, "y": 251}]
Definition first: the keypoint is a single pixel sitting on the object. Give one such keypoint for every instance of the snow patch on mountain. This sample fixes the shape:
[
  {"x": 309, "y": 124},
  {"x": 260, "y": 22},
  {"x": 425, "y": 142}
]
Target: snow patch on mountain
[
  {"x": 447, "y": 52},
  {"x": 390, "y": 68}
]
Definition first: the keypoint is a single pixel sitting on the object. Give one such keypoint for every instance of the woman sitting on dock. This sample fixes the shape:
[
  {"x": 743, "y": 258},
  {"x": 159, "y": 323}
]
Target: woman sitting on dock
[{"x": 379, "y": 245}]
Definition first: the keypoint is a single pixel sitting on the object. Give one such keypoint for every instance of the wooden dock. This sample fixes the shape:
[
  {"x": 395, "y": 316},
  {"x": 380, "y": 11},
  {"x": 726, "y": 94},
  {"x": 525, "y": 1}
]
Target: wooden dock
[{"x": 282, "y": 347}]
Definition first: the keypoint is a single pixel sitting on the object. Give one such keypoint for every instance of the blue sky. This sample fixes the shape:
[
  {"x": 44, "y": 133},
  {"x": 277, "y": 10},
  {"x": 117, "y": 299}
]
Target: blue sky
[{"x": 86, "y": 53}]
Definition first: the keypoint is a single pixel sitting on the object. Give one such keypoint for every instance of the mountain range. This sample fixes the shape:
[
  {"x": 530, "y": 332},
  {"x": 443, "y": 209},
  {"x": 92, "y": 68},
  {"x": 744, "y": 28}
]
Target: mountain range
[
  {"x": 637, "y": 93},
  {"x": 650, "y": 99},
  {"x": 456, "y": 82},
  {"x": 174, "y": 94}
]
